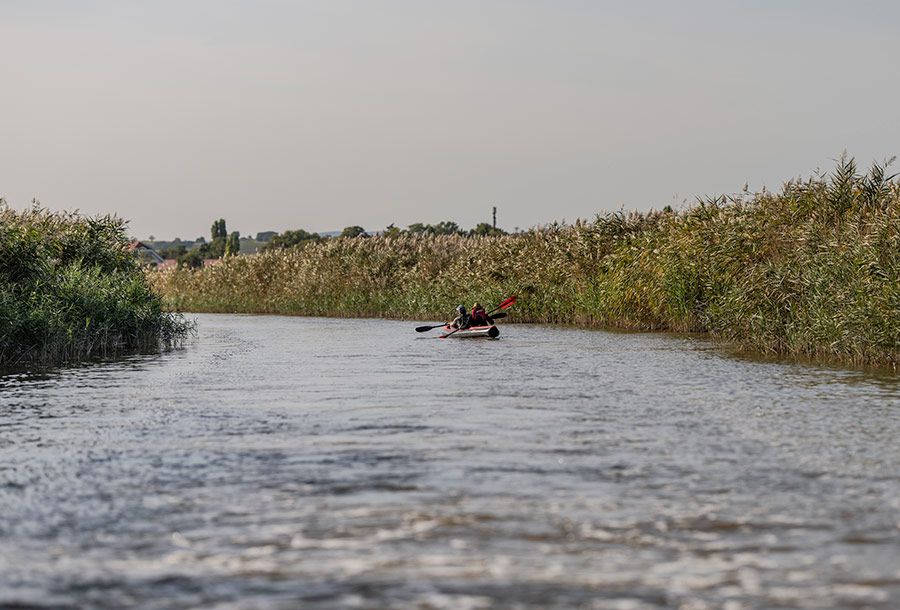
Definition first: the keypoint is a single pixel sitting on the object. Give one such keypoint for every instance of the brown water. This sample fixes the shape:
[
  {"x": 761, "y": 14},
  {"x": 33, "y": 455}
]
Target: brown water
[{"x": 296, "y": 462}]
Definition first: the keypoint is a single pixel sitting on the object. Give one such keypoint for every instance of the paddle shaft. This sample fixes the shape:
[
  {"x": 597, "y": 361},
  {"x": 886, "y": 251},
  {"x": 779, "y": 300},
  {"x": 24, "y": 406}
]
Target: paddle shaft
[{"x": 422, "y": 329}]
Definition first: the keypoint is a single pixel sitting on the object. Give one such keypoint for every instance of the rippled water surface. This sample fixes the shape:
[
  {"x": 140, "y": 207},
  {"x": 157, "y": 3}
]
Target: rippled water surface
[{"x": 297, "y": 462}]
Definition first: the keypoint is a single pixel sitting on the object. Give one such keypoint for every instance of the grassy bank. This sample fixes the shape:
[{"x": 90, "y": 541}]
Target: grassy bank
[
  {"x": 70, "y": 290},
  {"x": 813, "y": 270}
]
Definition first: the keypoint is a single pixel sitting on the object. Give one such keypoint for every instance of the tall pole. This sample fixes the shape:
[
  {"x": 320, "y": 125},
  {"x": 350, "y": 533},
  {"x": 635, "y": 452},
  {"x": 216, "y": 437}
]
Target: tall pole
[{"x": 495, "y": 217}]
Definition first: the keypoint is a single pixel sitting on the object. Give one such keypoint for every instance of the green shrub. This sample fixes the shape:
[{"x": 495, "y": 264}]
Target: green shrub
[{"x": 70, "y": 289}]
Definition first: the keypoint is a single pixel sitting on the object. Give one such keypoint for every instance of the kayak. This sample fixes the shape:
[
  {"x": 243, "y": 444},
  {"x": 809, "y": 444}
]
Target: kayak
[{"x": 473, "y": 332}]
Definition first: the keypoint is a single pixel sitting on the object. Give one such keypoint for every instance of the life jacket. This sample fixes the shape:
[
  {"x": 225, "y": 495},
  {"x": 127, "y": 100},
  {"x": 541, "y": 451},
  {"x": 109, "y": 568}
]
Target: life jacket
[{"x": 479, "y": 317}]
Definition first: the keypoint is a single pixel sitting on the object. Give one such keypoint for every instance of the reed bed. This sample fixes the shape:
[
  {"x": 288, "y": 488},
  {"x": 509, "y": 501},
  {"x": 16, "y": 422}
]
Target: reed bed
[
  {"x": 70, "y": 290},
  {"x": 813, "y": 270}
]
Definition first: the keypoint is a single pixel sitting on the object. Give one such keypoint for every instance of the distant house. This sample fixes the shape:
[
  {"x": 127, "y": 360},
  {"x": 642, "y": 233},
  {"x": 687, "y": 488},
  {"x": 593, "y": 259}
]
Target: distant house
[
  {"x": 169, "y": 263},
  {"x": 144, "y": 254}
]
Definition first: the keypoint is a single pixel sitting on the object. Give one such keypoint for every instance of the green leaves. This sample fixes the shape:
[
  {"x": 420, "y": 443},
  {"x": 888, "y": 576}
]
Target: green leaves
[{"x": 70, "y": 290}]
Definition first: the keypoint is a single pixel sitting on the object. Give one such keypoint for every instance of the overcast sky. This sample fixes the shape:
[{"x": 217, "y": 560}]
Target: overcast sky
[{"x": 318, "y": 115}]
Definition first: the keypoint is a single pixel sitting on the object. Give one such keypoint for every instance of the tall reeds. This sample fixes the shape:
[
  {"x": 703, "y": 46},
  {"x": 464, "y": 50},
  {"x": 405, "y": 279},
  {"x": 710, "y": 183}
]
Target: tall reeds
[
  {"x": 812, "y": 270},
  {"x": 70, "y": 290}
]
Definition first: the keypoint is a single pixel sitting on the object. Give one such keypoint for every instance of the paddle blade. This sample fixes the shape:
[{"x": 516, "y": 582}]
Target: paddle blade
[{"x": 507, "y": 302}]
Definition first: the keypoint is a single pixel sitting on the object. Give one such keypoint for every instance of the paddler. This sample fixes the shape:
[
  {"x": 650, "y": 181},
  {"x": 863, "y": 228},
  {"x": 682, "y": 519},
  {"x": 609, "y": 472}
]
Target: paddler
[
  {"x": 479, "y": 316},
  {"x": 462, "y": 320}
]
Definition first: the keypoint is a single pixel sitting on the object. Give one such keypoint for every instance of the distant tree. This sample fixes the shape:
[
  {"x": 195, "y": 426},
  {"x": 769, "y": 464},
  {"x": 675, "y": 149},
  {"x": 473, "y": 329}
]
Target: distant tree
[
  {"x": 214, "y": 249},
  {"x": 233, "y": 244},
  {"x": 485, "y": 229},
  {"x": 192, "y": 259},
  {"x": 391, "y": 231},
  {"x": 354, "y": 231},
  {"x": 445, "y": 227},
  {"x": 173, "y": 252},
  {"x": 266, "y": 235},
  {"x": 289, "y": 239},
  {"x": 218, "y": 229},
  {"x": 217, "y": 246},
  {"x": 442, "y": 228}
]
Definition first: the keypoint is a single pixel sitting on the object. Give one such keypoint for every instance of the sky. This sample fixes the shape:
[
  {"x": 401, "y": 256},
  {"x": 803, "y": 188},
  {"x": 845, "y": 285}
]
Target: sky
[{"x": 279, "y": 115}]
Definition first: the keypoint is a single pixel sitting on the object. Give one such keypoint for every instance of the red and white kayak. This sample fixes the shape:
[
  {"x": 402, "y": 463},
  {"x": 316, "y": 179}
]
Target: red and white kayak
[{"x": 473, "y": 332}]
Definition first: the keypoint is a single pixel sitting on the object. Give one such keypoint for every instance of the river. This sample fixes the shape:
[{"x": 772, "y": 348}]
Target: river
[{"x": 278, "y": 462}]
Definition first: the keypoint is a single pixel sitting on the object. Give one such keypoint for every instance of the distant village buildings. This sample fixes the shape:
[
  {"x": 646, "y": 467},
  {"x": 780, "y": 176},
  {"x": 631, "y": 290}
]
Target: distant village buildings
[
  {"x": 149, "y": 257},
  {"x": 145, "y": 254}
]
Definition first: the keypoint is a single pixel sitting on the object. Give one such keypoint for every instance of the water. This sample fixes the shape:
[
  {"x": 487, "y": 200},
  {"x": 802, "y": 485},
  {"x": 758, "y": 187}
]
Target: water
[{"x": 294, "y": 462}]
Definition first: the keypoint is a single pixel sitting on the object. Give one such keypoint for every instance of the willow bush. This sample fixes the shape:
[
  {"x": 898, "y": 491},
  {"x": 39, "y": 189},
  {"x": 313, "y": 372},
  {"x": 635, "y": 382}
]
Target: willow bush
[
  {"x": 69, "y": 290},
  {"x": 812, "y": 270}
]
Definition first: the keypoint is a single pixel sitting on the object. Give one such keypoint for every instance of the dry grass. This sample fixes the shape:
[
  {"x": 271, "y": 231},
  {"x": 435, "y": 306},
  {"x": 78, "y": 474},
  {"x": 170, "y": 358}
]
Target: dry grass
[{"x": 813, "y": 270}]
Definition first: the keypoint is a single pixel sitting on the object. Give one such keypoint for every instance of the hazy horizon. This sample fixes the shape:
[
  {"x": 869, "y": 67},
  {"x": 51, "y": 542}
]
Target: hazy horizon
[{"x": 321, "y": 115}]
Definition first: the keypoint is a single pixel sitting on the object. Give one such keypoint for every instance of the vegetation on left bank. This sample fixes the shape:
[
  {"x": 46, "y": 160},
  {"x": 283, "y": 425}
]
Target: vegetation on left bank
[{"x": 70, "y": 290}]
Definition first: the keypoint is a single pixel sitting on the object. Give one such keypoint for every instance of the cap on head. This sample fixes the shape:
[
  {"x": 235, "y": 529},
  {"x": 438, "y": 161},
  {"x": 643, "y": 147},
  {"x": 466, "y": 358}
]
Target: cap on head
[{"x": 461, "y": 309}]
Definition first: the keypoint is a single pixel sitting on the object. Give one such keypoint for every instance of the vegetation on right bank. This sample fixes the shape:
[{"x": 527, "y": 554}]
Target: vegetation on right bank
[{"x": 813, "y": 270}]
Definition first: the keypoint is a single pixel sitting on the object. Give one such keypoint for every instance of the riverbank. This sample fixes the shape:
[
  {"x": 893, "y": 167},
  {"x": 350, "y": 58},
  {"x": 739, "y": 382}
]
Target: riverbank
[
  {"x": 813, "y": 270},
  {"x": 70, "y": 290}
]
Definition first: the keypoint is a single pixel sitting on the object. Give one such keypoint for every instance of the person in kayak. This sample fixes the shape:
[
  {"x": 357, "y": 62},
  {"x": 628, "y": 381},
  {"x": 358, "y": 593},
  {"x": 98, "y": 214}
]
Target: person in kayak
[
  {"x": 462, "y": 320},
  {"x": 479, "y": 316}
]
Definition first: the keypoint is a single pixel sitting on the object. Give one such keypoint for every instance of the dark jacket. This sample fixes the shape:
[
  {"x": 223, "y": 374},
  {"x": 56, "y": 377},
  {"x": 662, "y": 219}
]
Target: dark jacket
[{"x": 461, "y": 321}]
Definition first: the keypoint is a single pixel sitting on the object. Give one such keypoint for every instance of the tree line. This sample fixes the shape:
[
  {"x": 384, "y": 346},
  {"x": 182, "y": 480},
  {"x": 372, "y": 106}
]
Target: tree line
[
  {"x": 223, "y": 243},
  {"x": 443, "y": 228}
]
